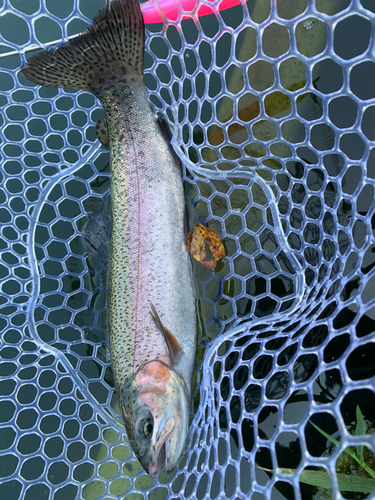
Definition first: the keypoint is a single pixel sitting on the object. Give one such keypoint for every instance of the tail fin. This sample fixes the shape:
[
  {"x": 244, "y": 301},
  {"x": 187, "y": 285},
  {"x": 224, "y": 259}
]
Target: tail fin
[{"x": 116, "y": 35}]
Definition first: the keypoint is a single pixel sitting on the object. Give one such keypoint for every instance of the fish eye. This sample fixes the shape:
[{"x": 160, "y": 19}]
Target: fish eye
[
  {"x": 148, "y": 428},
  {"x": 145, "y": 427}
]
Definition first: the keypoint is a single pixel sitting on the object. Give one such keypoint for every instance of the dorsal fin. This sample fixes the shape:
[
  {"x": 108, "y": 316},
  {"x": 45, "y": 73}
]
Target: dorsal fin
[{"x": 174, "y": 347}]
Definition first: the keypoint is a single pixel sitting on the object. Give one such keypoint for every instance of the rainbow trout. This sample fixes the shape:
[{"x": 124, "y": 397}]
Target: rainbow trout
[{"x": 151, "y": 305}]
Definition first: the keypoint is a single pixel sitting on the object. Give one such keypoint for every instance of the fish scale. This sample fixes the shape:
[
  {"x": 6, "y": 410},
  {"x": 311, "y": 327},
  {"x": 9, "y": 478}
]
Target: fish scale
[{"x": 148, "y": 252}]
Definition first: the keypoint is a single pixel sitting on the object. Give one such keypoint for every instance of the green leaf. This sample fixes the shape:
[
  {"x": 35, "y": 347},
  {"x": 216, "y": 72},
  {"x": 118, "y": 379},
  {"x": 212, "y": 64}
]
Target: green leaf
[
  {"x": 345, "y": 482},
  {"x": 355, "y": 483},
  {"x": 360, "y": 430},
  {"x": 361, "y": 424},
  {"x": 330, "y": 438},
  {"x": 348, "y": 451},
  {"x": 352, "y": 454}
]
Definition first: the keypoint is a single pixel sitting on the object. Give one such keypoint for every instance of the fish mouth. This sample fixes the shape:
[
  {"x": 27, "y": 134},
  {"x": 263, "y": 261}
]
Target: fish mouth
[{"x": 160, "y": 449}]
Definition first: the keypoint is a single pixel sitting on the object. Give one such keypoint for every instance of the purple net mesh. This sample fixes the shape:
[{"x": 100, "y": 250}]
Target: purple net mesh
[{"x": 272, "y": 105}]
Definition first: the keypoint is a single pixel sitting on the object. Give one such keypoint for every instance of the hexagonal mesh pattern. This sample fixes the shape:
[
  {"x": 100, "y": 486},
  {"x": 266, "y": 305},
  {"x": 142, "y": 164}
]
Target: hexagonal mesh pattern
[{"x": 273, "y": 106}]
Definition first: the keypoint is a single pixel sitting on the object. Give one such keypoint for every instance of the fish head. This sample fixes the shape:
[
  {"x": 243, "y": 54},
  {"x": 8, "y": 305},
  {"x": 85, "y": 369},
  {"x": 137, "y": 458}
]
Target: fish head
[{"x": 156, "y": 409}]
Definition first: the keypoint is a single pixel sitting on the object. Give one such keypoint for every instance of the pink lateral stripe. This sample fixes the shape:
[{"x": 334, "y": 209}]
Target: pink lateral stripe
[{"x": 152, "y": 9}]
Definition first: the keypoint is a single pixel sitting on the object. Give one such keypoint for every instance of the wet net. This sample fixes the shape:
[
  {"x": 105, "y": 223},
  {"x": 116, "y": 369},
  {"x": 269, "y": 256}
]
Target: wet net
[{"x": 272, "y": 105}]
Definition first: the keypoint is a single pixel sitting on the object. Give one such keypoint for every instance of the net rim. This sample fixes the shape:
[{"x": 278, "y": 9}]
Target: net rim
[{"x": 155, "y": 11}]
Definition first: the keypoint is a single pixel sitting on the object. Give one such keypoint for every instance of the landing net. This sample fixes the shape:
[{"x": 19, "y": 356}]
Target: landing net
[{"x": 273, "y": 110}]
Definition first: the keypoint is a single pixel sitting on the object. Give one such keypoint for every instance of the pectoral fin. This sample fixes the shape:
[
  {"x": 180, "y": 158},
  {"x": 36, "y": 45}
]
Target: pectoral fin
[{"x": 174, "y": 347}]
